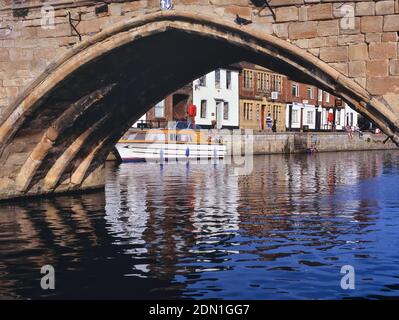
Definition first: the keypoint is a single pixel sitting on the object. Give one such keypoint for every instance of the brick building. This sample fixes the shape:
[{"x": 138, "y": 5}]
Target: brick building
[
  {"x": 262, "y": 92},
  {"x": 172, "y": 108}
]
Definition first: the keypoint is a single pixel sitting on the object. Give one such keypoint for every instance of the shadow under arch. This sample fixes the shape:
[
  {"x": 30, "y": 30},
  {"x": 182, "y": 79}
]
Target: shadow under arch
[{"x": 66, "y": 122}]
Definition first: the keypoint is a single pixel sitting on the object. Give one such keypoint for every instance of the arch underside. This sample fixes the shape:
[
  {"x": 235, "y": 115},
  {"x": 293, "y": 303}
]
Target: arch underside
[{"x": 58, "y": 133}]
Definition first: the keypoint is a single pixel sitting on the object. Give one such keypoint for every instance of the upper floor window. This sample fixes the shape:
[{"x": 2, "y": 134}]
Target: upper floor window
[
  {"x": 295, "y": 90},
  {"x": 320, "y": 95},
  {"x": 228, "y": 79},
  {"x": 202, "y": 81},
  {"x": 248, "y": 79},
  {"x": 217, "y": 79},
  {"x": 309, "y": 93},
  {"x": 278, "y": 83},
  {"x": 262, "y": 81},
  {"x": 160, "y": 109},
  {"x": 327, "y": 97}
]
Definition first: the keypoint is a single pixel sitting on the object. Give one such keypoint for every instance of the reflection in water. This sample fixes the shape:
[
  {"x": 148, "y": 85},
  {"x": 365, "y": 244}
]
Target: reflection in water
[{"x": 199, "y": 231}]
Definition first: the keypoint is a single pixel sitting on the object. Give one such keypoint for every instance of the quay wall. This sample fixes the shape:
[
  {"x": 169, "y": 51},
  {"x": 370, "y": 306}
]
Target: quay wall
[{"x": 278, "y": 143}]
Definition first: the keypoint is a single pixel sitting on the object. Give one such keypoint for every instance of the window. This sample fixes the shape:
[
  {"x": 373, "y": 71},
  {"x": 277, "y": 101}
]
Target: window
[
  {"x": 277, "y": 83},
  {"x": 309, "y": 93},
  {"x": 309, "y": 117},
  {"x": 351, "y": 119},
  {"x": 327, "y": 97},
  {"x": 203, "y": 109},
  {"x": 228, "y": 79},
  {"x": 202, "y": 81},
  {"x": 320, "y": 95},
  {"x": 268, "y": 81},
  {"x": 248, "y": 80},
  {"x": 338, "y": 118},
  {"x": 276, "y": 112},
  {"x": 225, "y": 110},
  {"x": 295, "y": 90},
  {"x": 160, "y": 109},
  {"x": 247, "y": 111},
  {"x": 295, "y": 116},
  {"x": 262, "y": 83},
  {"x": 217, "y": 79}
]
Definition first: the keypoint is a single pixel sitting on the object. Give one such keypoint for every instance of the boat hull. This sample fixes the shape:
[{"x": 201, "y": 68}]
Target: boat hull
[{"x": 158, "y": 152}]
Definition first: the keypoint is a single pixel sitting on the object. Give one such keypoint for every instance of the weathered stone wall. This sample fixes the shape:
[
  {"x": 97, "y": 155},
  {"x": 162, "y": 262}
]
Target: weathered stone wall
[
  {"x": 367, "y": 53},
  {"x": 287, "y": 142}
]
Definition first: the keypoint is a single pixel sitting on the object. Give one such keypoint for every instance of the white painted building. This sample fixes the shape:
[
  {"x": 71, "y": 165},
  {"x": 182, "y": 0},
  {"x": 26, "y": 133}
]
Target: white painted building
[
  {"x": 143, "y": 118},
  {"x": 343, "y": 117},
  {"x": 301, "y": 110},
  {"x": 216, "y": 96},
  {"x": 351, "y": 117}
]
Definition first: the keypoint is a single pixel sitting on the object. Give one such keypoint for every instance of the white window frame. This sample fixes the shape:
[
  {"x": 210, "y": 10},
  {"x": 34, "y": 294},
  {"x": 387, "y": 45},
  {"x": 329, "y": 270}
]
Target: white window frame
[
  {"x": 296, "y": 86},
  {"x": 160, "y": 106}
]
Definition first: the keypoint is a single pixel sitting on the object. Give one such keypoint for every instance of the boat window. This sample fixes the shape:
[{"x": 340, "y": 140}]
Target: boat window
[
  {"x": 137, "y": 136},
  {"x": 184, "y": 137},
  {"x": 155, "y": 136}
]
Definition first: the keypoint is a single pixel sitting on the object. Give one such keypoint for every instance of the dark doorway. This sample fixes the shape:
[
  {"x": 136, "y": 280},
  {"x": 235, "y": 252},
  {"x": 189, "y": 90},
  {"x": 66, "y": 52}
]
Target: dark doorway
[
  {"x": 180, "y": 106},
  {"x": 318, "y": 121}
]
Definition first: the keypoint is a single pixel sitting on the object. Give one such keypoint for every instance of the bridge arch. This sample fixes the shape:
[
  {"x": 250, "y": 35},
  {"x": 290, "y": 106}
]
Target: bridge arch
[{"x": 65, "y": 123}]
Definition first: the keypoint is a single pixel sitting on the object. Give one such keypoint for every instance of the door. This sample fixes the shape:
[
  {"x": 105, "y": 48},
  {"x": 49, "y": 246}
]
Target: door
[
  {"x": 219, "y": 114},
  {"x": 263, "y": 117},
  {"x": 318, "y": 120}
]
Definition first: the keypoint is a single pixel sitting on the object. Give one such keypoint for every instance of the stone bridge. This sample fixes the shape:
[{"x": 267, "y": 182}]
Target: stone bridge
[{"x": 74, "y": 75}]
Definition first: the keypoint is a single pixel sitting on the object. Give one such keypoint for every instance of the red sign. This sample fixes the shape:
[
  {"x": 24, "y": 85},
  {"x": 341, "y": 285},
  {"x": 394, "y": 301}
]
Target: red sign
[{"x": 192, "y": 110}]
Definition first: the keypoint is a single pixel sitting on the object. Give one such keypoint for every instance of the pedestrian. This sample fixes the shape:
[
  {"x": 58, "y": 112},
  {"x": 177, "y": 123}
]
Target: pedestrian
[{"x": 348, "y": 129}]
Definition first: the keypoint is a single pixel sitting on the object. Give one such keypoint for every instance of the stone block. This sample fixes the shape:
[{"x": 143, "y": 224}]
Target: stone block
[
  {"x": 358, "y": 52},
  {"x": 350, "y": 39},
  {"x": 357, "y": 69},
  {"x": 377, "y": 68},
  {"x": 302, "y": 30},
  {"x": 365, "y": 8},
  {"x": 394, "y": 67},
  {"x": 341, "y": 67},
  {"x": 286, "y": 14},
  {"x": 371, "y": 24},
  {"x": 334, "y": 54},
  {"x": 390, "y": 37},
  {"x": 327, "y": 28},
  {"x": 321, "y": 11},
  {"x": 373, "y": 37},
  {"x": 383, "y": 85},
  {"x": 383, "y": 50},
  {"x": 385, "y": 7},
  {"x": 391, "y": 23}
]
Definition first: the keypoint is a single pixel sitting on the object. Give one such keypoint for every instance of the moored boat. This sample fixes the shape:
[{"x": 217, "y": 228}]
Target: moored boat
[{"x": 158, "y": 145}]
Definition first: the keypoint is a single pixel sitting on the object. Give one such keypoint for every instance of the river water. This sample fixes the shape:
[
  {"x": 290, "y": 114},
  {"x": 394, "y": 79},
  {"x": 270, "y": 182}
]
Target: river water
[{"x": 282, "y": 231}]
